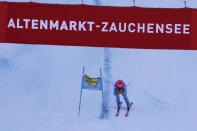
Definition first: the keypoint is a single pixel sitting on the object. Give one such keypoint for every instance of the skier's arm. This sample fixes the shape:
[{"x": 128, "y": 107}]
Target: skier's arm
[
  {"x": 125, "y": 90},
  {"x": 112, "y": 83},
  {"x": 114, "y": 87},
  {"x": 126, "y": 87},
  {"x": 128, "y": 84}
]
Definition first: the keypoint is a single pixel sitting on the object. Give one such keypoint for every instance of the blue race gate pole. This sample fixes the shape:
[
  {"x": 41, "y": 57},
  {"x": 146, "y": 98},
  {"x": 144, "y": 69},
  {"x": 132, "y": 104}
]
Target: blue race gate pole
[
  {"x": 104, "y": 116},
  {"x": 80, "y": 102},
  {"x": 81, "y": 93}
]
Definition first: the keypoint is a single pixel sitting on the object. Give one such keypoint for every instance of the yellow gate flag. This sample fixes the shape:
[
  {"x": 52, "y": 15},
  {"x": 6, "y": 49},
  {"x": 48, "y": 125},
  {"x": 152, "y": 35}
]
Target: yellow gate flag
[{"x": 92, "y": 81}]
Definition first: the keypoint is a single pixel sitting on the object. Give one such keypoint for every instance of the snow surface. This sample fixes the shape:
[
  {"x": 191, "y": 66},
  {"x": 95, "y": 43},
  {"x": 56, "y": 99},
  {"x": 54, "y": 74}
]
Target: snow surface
[{"x": 40, "y": 85}]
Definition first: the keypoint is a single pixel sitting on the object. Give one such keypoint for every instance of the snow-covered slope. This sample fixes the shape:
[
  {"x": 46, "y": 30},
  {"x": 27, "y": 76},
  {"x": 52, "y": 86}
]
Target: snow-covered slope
[{"x": 40, "y": 87}]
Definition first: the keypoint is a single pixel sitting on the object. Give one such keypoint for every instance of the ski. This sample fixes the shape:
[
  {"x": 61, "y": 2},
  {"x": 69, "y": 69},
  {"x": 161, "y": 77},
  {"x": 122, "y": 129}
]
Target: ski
[
  {"x": 128, "y": 109},
  {"x": 118, "y": 110}
]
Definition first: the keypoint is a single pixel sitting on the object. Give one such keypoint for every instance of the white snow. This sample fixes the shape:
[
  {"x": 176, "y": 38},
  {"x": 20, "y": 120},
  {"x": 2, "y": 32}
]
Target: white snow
[{"x": 40, "y": 85}]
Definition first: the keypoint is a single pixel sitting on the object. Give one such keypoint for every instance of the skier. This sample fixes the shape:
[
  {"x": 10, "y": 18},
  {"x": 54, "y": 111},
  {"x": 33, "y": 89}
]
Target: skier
[{"x": 120, "y": 88}]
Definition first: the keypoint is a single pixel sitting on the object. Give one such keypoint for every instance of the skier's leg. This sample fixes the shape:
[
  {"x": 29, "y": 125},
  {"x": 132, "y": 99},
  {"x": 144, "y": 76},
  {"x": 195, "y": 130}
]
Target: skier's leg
[
  {"x": 118, "y": 99},
  {"x": 118, "y": 103},
  {"x": 126, "y": 99}
]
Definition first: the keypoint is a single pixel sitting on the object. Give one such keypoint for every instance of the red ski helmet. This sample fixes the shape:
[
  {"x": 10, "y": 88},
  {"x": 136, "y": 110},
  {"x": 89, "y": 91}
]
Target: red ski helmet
[{"x": 120, "y": 84}]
